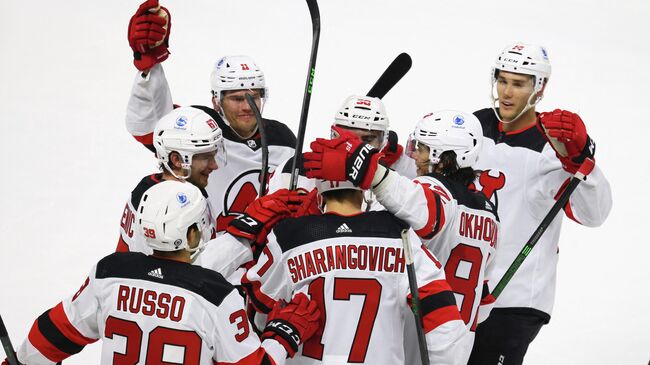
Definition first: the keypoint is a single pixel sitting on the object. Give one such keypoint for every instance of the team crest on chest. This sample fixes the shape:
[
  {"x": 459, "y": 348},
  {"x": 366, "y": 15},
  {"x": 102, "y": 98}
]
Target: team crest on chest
[{"x": 251, "y": 143}]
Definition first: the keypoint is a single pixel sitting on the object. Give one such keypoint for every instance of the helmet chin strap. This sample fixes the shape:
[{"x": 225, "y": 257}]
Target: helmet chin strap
[
  {"x": 528, "y": 106},
  {"x": 223, "y": 116},
  {"x": 184, "y": 167}
]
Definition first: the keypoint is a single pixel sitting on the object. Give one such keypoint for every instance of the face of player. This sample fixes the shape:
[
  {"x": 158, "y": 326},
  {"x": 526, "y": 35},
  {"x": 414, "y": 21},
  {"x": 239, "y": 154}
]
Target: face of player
[
  {"x": 202, "y": 165},
  {"x": 238, "y": 112},
  {"x": 513, "y": 91},
  {"x": 421, "y": 157},
  {"x": 373, "y": 138}
]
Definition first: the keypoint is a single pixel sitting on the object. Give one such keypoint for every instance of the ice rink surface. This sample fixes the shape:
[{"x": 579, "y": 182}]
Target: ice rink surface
[{"x": 66, "y": 74}]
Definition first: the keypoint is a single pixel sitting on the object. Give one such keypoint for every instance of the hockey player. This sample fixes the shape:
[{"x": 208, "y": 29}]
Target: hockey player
[
  {"x": 366, "y": 117},
  {"x": 458, "y": 225},
  {"x": 189, "y": 146},
  {"x": 352, "y": 263},
  {"x": 232, "y": 77},
  {"x": 523, "y": 175},
  {"x": 161, "y": 309}
]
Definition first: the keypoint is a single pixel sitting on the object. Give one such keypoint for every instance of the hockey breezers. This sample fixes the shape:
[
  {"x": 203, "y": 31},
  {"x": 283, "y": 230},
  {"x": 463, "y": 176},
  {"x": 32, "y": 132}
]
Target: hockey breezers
[
  {"x": 415, "y": 297},
  {"x": 579, "y": 176},
  {"x": 395, "y": 71},
  {"x": 315, "y": 24},
  {"x": 264, "y": 173},
  {"x": 6, "y": 344}
]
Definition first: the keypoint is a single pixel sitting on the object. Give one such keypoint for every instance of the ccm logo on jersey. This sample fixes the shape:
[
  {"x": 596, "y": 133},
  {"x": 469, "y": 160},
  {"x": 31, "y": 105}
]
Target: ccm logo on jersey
[
  {"x": 150, "y": 303},
  {"x": 358, "y": 161}
]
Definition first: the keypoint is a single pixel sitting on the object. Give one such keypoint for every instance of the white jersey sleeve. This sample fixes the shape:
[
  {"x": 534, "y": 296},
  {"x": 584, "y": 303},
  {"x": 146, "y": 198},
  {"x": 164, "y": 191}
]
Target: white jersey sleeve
[
  {"x": 225, "y": 255},
  {"x": 150, "y": 100}
]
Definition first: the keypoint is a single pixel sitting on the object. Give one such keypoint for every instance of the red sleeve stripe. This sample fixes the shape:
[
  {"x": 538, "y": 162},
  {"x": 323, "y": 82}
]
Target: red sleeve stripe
[
  {"x": 262, "y": 302},
  {"x": 67, "y": 329},
  {"x": 436, "y": 216},
  {"x": 121, "y": 245},
  {"x": 567, "y": 207},
  {"x": 146, "y": 139},
  {"x": 437, "y": 304},
  {"x": 258, "y": 357}
]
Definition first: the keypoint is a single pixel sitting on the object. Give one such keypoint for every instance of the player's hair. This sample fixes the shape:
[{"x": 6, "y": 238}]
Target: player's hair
[
  {"x": 450, "y": 168},
  {"x": 341, "y": 195}
]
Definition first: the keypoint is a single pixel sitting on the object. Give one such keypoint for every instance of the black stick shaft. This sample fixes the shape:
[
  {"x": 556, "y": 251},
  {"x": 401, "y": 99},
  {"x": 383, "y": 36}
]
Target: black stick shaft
[
  {"x": 315, "y": 22},
  {"x": 264, "y": 172},
  {"x": 391, "y": 76},
  {"x": 537, "y": 234},
  {"x": 6, "y": 344},
  {"x": 415, "y": 298}
]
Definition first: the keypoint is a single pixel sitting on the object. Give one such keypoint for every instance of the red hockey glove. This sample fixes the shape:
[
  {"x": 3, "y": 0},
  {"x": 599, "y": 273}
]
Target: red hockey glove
[
  {"x": 392, "y": 151},
  {"x": 149, "y": 34},
  {"x": 294, "y": 323},
  {"x": 308, "y": 205},
  {"x": 260, "y": 216},
  {"x": 343, "y": 158},
  {"x": 567, "y": 134}
]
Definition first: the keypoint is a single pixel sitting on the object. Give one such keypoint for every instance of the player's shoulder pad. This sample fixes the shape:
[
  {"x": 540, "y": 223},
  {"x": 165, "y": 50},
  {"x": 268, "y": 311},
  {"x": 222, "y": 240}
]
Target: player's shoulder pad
[
  {"x": 208, "y": 284},
  {"x": 144, "y": 185},
  {"x": 464, "y": 195},
  {"x": 278, "y": 134},
  {"x": 294, "y": 232}
]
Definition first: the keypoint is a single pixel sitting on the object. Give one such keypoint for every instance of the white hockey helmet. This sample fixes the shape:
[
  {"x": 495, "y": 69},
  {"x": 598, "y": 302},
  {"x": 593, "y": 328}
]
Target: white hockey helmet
[
  {"x": 448, "y": 130},
  {"x": 364, "y": 112},
  {"x": 188, "y": 131},
  {"x": 236, "y": 73},
  {"x": 167, "y": 210},
  {"x": 523, "y": 59}
]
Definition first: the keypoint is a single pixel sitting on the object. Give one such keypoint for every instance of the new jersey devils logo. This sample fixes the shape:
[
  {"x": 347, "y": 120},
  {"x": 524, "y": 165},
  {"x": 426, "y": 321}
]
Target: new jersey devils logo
[
  {"x": 490, "y": 185},
  {"x": 241, "y": 192}
]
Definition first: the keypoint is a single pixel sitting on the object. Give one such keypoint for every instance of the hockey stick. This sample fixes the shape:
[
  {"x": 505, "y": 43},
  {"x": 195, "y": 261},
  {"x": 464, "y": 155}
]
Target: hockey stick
[
  {"x": 6, "y": 344},
  {"x": 579, "y": 176},
  {"x": 315, "y": 24},
  {"x": 395, "y": 71},
  {"x": 415, "y": 297},
  {"x": 264, "y": 173}
]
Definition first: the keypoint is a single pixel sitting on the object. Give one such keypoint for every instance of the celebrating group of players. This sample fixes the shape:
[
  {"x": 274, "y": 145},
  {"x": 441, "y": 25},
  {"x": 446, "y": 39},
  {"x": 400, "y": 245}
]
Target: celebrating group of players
[{"x": 207, "y": 272}]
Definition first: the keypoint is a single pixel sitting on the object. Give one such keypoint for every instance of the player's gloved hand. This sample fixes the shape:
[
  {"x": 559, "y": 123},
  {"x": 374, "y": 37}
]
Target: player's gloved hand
[
  {"x": 392, "y": 151},
  {"x": 343, "y": 158},
  {"x": 293, "y": 324},
  {"x": 566, "y": 133},
  {"x": 260, "y": 216},
  {"x": 308, "y": 205},
  {"x": 148, "y": 34}
]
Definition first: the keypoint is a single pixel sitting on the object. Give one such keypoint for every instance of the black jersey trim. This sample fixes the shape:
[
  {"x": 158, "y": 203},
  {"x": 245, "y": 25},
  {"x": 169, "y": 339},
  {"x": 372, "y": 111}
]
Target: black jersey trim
[
  {"x": 144, "y": 185},
  {"x": 278, "y": 133},
  {"x": 55, "y": 336},
  {"x": 471, "y": 199},
  {"x": 295, "y": 232},
  {"x": 530, "y": 138},
  {"x": 437, "y": 301},
  {"x": 206, "y": 283},
  {"x": 287, "y": 166}
]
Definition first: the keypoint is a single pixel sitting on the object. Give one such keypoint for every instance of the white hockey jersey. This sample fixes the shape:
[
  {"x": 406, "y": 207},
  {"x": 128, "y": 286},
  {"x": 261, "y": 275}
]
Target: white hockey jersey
[
  {"x": 150, "y": 311},
  {"x": 232, "y": 187},
  {"x": 522, "y": 176},
  {"x": 459, "y": 226},
  {"x": 354, "y": 267}
]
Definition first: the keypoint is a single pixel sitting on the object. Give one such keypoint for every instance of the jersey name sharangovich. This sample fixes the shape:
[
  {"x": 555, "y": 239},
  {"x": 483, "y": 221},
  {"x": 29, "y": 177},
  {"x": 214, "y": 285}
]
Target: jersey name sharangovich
[
  {"x": 354, "y": 267},
  {"x": 153, "y": 311},
  {"x": 522, "y": 176}
]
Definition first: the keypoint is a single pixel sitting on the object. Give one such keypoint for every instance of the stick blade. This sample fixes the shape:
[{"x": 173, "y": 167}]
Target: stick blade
[{"x": 395, "y": 71}]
